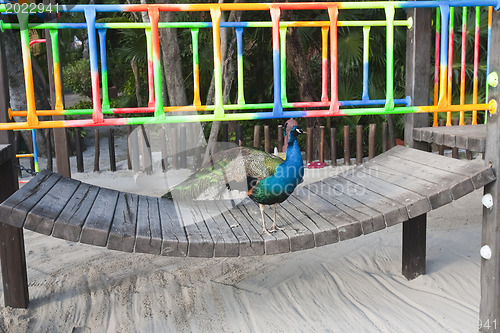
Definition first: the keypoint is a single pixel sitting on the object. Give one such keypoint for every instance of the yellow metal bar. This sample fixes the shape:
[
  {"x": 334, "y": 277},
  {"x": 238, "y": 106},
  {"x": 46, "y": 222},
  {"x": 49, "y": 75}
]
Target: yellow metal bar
[
  {"x": 23, "y": 155},
  {"x": 28, "y": 70}
]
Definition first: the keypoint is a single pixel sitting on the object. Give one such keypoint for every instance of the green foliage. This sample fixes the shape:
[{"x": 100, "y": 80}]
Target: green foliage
[
  {"x": 77, "y": 77},
  {"x": 83, "y": 104}
]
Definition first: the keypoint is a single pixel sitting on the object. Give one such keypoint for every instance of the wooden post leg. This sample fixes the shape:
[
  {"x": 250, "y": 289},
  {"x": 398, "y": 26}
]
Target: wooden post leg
[
  {"x": 414, "y": 242},
  {"x": 12, "y": 255},
  {"x": 14, "y": 275},
  {"x": 418, "y": 57},
  {"x": 489, "y": 308}
]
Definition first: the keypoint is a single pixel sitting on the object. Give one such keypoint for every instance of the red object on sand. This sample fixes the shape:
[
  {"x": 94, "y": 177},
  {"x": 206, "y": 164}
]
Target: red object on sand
[{"x": 316, "y": 165}]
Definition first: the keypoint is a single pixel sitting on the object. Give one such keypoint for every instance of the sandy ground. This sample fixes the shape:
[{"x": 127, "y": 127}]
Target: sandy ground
[{"x": 352, "y": 286}]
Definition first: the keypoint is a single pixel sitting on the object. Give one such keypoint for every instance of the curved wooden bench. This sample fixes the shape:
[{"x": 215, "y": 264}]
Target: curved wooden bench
[{"x": 394, "y": 187}]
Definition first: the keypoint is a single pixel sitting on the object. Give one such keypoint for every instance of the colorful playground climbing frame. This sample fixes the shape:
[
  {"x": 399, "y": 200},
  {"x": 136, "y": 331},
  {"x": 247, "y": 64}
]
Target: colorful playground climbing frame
[{"x": 280, "y": 107}]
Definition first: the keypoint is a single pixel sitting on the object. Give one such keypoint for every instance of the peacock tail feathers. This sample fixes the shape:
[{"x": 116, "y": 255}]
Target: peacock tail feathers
[{"x": 233, "y": 169}]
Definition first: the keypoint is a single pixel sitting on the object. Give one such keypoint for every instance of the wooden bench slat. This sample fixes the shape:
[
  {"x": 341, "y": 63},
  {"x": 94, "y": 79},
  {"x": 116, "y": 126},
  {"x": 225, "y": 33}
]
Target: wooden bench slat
[
  {"x": 242, "y": 229},
  {"x": 478, "y": 173},
  {"x": 175, "y": 242},
  {"x": 275, "y": 243},
  {"x": 393, "y": 212},
  {"x": 149, "y": 233},
  {"x": 326, "y": 234},
  {"x": 123, "y": 228},
  {"x": 225, "y": 242},
  {"x": 41, "y": 218},
  {"x": 459, "y": 184},
  {"x": 370, "y": 219},
  {"x": 347, "y": 226},
  {"x": 438, "y": 194},
  {"x": 95, "y": 230},
  {"x": 301, "y": 237},
  {"x": 68, "y": 224},
  {"x": 16, "y": 207},
  {"x": 415, "y": 203},
  {"x": 200, "y": 242}
]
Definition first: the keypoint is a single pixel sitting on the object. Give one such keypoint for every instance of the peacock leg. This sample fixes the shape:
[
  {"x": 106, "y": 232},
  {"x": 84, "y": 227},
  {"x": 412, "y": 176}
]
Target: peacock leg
[
  {"x": 275, "y": 227},
  {"x": 264, "y": 230}
]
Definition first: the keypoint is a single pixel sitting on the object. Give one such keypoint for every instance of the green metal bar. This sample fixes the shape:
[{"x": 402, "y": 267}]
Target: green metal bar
[
  {"x": 189, "y": 25},
  {"x": 239, "y": 59},
  {"x": 196, "y": 67},
  {"x": 389, "y": 12},
  {"x": 104, "y": 71}
]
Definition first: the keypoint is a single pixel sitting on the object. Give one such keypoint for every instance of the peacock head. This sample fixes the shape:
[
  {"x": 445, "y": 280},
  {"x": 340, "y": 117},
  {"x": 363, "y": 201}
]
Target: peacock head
[{"x": 296, "y": 130}]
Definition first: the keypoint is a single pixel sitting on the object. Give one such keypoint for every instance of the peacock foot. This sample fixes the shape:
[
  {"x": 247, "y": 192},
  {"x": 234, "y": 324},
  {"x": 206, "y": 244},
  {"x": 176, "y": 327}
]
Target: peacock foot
[
  {"x": 266, "y": 232},
  {"x": 276, "y": 228}
]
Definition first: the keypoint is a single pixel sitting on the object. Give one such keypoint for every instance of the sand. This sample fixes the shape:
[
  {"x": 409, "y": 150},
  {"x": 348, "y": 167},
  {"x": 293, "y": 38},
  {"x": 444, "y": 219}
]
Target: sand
[{"x": 351, "y": 286}]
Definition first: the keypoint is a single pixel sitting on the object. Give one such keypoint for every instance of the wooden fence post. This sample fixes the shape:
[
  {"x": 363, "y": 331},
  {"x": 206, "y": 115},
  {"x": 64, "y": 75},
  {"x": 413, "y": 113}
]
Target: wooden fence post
[
  {"x": 48, "y": 143},
  {"x": 322, "y": 144},
  {"x": 359, "y": 144},
  {"x": 78, "y": 148},
  {"x": 309, "y": 150},
  {"x": 371, "y": 140},
  {"x": 97, "y": 150},
  {"x": 384, "y": 137},
  {"x": 333, "y": 145},
  {"x": 256, "y": 136},
  {"x": 111, "y": 149},
  {"x": 280, "y": 138},
  {"x": 489, "y": 308},
  {"x": 267, "y": 139},
  {"x": 129, "y": 155},
  {"x": 347, "y": 148},
  {"x": 239, "y": 135}
]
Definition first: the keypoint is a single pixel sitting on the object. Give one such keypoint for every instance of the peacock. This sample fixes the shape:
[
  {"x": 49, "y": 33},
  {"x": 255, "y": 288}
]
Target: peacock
[{"x": 267, "y": 179}]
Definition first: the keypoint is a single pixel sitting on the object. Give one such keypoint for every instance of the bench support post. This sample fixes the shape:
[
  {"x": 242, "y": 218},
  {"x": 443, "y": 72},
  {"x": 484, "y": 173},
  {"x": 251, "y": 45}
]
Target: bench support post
[
  {"x": 489, "y": 308},
  {"x": 414, "y": 243},
  {"x": 12, "y": 256}
]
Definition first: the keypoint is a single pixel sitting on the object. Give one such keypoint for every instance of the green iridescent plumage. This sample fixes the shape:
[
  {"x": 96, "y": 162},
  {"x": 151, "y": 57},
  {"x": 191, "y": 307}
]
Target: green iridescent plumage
[
  {"x": 267, "y": 179},
  {"x": 235, "y": 169}
]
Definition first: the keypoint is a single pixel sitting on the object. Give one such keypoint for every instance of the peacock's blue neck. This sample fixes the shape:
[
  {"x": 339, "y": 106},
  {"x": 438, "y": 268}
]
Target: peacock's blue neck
[
  {"x": 292, "y": 169},
  {"x": 293, "y": 155}
]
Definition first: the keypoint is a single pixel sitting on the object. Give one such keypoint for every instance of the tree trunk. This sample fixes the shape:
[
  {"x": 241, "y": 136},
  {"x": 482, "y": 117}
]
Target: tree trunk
[
  {"x": 229, "y": 73},
  {"x": 16, "y": 85},
  {"x": 135, "y": 70},
  {"x": 172, "y": 60}
]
